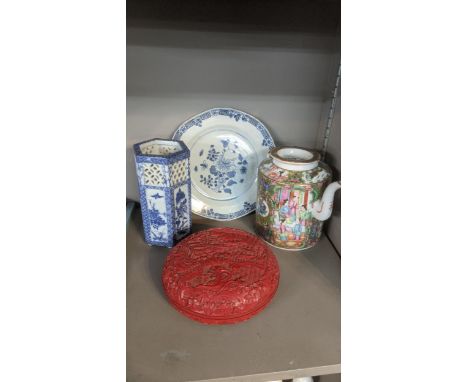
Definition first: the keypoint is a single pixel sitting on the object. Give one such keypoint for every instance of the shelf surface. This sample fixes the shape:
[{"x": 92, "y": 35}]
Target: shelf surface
[{"x": 297, "y": 335}]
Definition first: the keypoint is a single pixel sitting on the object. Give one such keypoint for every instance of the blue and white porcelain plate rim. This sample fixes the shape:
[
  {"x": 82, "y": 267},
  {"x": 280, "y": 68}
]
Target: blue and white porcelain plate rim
[{"x": 226, "y": 145}]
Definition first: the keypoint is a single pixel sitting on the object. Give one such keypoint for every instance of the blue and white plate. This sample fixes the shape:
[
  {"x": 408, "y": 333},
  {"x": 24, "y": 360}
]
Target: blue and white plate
[{"x": 226, "y": 147}]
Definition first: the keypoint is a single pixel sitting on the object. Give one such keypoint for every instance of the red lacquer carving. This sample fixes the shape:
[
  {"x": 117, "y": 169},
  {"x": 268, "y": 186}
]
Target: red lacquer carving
[{"x": 220, "y": 276}]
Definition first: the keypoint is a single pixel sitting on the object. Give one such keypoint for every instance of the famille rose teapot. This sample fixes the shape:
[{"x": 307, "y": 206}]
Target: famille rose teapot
[{"x": 294, "y": 198}]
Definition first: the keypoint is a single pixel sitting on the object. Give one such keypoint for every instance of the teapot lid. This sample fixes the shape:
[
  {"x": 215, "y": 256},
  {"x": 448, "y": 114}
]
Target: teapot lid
[{"x": 295, "y": 158}]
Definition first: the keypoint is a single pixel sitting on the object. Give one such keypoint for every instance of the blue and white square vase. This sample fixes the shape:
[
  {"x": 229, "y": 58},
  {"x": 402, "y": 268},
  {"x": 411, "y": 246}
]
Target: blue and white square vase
[{"x": 163, "y": 172}]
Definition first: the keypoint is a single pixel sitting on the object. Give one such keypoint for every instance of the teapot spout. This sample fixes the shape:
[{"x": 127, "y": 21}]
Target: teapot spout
[{"x": 322, "y": 209}]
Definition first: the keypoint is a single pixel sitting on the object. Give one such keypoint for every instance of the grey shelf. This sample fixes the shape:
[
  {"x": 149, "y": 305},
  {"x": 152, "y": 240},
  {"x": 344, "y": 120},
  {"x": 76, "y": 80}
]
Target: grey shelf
[{"x": 298, "y": 334}]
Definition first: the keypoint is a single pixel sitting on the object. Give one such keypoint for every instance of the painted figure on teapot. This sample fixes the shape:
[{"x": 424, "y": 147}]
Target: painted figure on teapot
[{"x": 295, "y": 196}]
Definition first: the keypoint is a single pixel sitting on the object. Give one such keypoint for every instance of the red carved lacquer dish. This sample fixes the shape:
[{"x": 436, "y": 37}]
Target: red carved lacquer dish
[{"x": 220, "y": 276}]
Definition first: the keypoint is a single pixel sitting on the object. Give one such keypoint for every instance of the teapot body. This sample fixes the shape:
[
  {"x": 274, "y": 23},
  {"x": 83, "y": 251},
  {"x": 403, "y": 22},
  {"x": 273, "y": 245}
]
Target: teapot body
[{"x": 285, "y": 200}]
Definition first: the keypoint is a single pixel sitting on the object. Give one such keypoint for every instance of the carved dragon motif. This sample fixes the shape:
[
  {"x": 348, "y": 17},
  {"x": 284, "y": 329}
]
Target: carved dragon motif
[{"x": 221, "y": 275}]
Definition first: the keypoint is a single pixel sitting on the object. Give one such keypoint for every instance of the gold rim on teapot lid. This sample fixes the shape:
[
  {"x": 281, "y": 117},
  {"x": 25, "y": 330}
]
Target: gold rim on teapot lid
[{"x": 295, "y": 154}]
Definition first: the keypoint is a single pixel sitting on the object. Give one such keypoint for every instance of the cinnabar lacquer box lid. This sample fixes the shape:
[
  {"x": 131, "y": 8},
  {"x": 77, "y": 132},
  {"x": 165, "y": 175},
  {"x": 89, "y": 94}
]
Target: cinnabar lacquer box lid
[{"x": 220, "y": 276}]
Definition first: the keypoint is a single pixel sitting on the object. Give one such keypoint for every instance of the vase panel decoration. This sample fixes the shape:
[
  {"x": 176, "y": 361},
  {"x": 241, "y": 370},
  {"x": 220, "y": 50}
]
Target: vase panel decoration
[
  {"x": 295, "y": 196},
  {"x": 163, "y": 173}
]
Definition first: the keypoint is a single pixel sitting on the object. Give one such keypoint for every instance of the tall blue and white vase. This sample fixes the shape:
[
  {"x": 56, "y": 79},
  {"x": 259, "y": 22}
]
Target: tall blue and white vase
[{"x": 164, "y": 182}]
